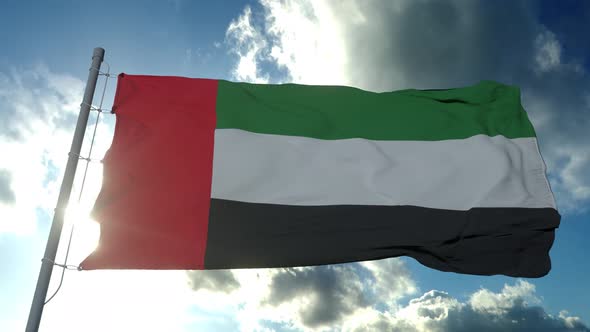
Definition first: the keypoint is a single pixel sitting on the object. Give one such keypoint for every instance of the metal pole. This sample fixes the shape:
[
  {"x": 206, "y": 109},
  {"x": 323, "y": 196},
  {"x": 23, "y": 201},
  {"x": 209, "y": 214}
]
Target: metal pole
[{"x": 64, "y": 196}]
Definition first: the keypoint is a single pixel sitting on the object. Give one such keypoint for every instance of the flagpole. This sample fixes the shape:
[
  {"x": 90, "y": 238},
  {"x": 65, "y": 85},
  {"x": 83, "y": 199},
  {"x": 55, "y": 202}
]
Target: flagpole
[{"x": 64, "y": 196}]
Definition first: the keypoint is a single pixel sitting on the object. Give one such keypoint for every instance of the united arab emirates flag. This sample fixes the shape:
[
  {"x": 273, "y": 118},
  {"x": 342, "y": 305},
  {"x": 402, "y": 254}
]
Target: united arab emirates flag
[{"x": 211, "y": 174}]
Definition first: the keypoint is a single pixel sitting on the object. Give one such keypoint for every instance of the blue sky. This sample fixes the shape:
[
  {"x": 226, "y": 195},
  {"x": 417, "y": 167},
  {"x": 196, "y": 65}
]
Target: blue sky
[{"x": 541, "y": 46}]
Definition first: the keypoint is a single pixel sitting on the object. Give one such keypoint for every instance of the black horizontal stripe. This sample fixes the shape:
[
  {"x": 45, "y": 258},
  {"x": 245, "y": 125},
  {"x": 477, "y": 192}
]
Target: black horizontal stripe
[{"x": 483, "y": 241}]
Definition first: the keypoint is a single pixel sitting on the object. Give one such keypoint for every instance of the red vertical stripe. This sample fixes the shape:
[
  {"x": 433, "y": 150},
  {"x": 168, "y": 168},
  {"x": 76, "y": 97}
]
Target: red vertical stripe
[{"x": 153, "y": 207}]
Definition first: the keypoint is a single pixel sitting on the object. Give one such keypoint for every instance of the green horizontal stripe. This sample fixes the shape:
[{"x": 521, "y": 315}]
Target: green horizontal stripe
[{"x": 336, "y": 112}]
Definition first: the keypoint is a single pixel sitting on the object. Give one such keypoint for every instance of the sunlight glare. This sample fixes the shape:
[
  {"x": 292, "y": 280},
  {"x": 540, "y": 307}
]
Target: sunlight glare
[{"x": 86, "y": 232}]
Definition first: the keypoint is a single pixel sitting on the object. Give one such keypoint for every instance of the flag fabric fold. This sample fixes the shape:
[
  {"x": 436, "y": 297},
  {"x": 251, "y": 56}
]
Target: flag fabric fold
[{"x": 211, "y": 174}]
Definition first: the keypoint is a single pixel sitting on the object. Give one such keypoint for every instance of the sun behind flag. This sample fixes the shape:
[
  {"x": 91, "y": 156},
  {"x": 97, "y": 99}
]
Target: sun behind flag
[{"x": 211, "y": 174}]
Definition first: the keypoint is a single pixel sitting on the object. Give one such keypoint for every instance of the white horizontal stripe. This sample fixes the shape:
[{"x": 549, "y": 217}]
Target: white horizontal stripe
[{"x": 480, "y": 171}]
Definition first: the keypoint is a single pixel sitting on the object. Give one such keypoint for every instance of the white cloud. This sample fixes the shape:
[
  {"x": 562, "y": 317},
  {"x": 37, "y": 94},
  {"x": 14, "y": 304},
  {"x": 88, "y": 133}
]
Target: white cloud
[
  {"x": 39, "y": 111},
  {"x": 6, "y": 192},
  {"x": 571, "y": 322},
  {"x": 213, "y": 280},
  {"x": 247, "y": 44},
  {"x": 577, "y": 163},
  {"x": 488, "y": 302},
  {"x": 432, "y": 307},
  {"x": 391, "y": 280},
  {"x": 307, "y": 39},
  {"x": 120, "y": 301},
  {"x": 548, "y": 54}
]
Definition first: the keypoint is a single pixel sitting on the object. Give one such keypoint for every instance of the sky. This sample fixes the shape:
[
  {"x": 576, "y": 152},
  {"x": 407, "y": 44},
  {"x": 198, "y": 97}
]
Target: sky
[{"x": 540, "y": 46}]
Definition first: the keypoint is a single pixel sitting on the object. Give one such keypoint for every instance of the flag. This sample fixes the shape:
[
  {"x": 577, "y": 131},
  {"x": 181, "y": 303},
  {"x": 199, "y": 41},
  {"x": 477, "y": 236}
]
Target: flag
[{"x": 212, "y": 174}]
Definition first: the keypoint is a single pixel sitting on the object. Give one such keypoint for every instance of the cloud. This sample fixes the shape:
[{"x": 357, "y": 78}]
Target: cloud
[
  {"x": 329, "y": 293},
  {"x": 120, "y": 301},
  {"x": 548, "y": 55},
  {"x": 38, "y": 114},
  {"x": 389, "y": 45},
  {"x": 31, "y": 96},
  {"x": 370, "y": 296},
  {"x": 214, "y": 280},
  {"x": 247, "y": 43},
  {"x": 389, "y": 280},
  {"x": 514, "y": 308},
  {"x": 311, "y": 298},
  {"x": 6, "y": 193}
]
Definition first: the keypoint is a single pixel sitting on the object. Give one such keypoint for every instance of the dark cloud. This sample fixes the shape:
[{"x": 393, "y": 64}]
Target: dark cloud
[
  {"x": 435, "y": 44},
  {"x": 213, "y": 280},
  {"x": 6, "y": 193},
  {"x": 332, "y": 291}
]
